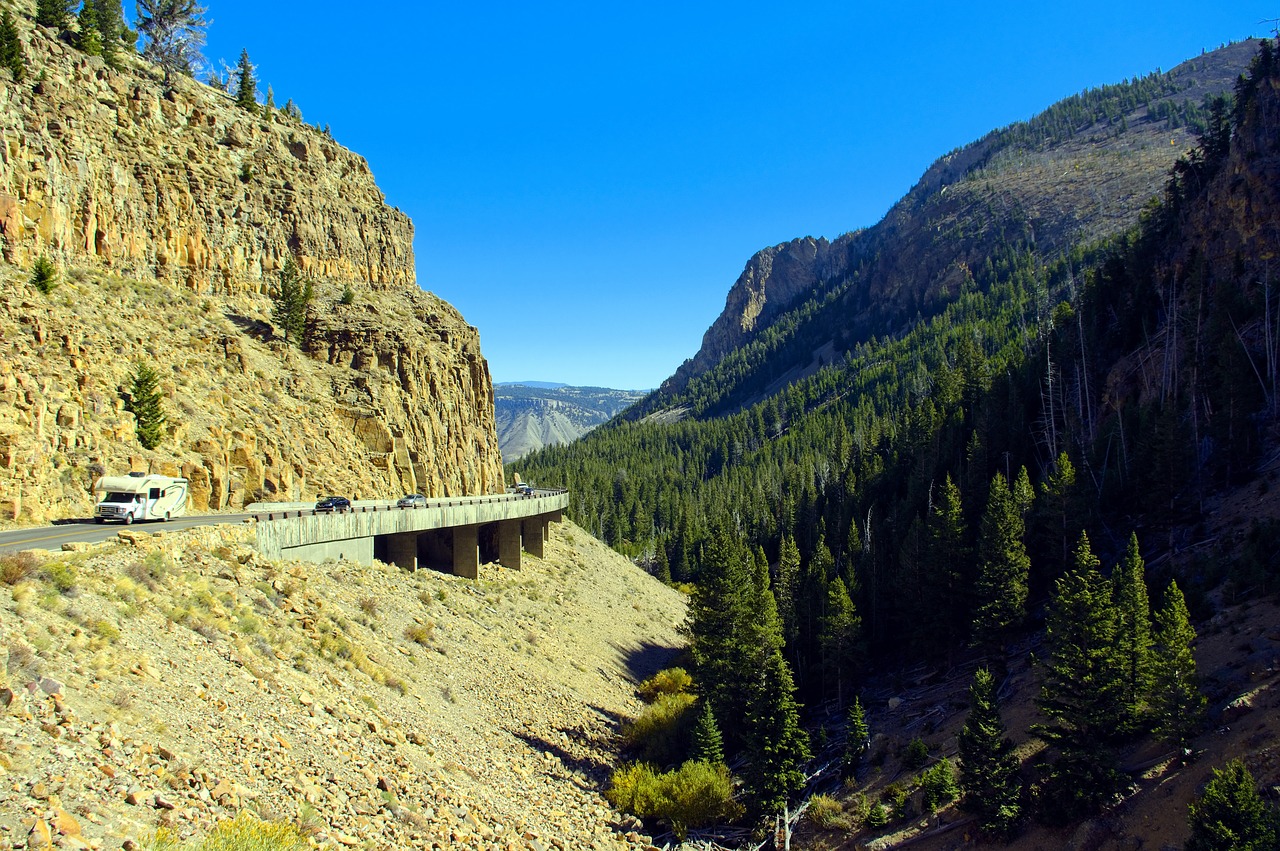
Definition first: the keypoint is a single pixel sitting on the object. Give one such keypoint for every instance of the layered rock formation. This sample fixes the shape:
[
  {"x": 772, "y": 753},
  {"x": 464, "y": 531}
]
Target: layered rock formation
[
  {"x": 169, "y": 212},
  {"x": 178, "y": 183},
  {"x": 529, "y": 418}
]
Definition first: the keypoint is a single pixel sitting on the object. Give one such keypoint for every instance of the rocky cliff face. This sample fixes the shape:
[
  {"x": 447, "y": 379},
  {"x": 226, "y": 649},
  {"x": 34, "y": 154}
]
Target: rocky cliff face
[
  {"x": 770, "y": 282},
  {"x": 117, "y": 171},
  {"x": 1001, "y": 190},
  {"x": 169, "y": 212}
]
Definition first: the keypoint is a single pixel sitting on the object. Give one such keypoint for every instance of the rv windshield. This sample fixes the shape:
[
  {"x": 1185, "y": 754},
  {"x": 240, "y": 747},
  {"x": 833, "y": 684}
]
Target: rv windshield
[{"x": 116, "y": 496}]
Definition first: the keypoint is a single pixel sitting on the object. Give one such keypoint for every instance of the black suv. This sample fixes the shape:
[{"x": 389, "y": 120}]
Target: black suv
[{"x": 333, "y": 503}]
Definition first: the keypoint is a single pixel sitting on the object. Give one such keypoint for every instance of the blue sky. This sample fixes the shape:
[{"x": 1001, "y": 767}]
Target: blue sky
[{"x": 587, "y": 180}]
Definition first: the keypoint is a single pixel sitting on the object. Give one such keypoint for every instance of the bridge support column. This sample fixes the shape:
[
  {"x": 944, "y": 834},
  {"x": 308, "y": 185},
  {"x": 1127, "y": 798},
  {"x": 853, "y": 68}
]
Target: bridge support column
[
  {"x": 509, "y": 543},
  {"x": 466, "y": 552},
  {"x": 402, "y": 550},
  {"x": 532, "y": 532}
]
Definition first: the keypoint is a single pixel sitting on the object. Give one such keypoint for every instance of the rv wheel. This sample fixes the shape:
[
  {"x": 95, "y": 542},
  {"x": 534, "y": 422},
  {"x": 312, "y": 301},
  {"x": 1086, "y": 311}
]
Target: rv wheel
[
  {"x": 128, "y": 520},
  {"x": 99, "y": 520},
  {"x": 166, "y": 517}
]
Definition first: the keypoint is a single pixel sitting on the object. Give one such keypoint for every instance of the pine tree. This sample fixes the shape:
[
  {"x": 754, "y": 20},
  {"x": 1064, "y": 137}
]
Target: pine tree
[
  {"x": 784, "y": 591},
  {"x": 11, "y": 53},
  {"x": 939, "y": 785},
  {"x": 246, "y": 85},
  {"x": 988, "y": 765},
  {"x": 718, "y": 612},
  {"x": 291, "y": 300},
  {"x": 143, "y": 401},
  {"x": 1058, "y": 518},
  {"x": 948, "y": 568},
  {"x": 708, "y": 744},
  {"x": 53, "y": 13},
  {"x": 774, "y": 744},
  {"x": 174, "y": 33},
  {"x": 44, "y": 275},
  {"x": 857, "y": 737},
  {"x": 839, "y": 640},
  {"x": 1177, "y": 706},
  {"x": 1024, "y": 495},
  {"x": 89, "y": 39},
  {"x": 1133, "y": 633},
  {"x": 1082, "y": 689},
  {"x": 776, "y": 747},
  {"x": 1003, "y": 570},
  {"x": 112, "y": 29},
  {"x": 1231, "y": 815}
]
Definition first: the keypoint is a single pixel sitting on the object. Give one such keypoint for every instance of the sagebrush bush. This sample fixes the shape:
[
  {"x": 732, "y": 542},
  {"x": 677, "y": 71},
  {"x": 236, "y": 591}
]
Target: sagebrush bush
[
  {"x": 243, "y": 833},
  {"x": 60, "y": 575},
  {"x": 15, "y": 567},
  {"x": 694, "y": 795},
  {"x": 420, "y": 633},
  {"x": 826, "y": 812},
  {"x": 152, "y": 571},
  {"x": 661, "y": 733},
  {"x": 669, "y": 681}
]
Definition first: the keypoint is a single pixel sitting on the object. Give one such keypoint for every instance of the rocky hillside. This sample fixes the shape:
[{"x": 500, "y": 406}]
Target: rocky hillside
[
  {"x": 530, "y": 418},
  {"x": 176, "y": 680},
  {"x": 1080, "y": 171},
  {"x": 170, "y": 211}
]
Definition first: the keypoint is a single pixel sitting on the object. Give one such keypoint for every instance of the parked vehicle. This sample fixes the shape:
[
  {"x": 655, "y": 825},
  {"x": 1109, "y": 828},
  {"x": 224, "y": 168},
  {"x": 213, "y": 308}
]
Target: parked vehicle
[
  {"x": 140, "y": 496},
  {"x": 328, "y": 504},
  {"x": 413, "y": 500}
]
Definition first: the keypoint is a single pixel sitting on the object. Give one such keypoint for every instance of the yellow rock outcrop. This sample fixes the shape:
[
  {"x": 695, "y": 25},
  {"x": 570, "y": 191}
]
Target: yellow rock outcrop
[{"x": 169, "y": 211}]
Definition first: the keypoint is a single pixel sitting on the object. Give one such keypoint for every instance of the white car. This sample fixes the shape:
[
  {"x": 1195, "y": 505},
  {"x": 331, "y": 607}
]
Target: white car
[{"x": 413, "y": 500}]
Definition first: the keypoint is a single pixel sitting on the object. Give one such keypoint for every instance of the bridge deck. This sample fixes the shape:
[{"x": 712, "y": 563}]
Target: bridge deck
[{"x": 446, "y": 532}]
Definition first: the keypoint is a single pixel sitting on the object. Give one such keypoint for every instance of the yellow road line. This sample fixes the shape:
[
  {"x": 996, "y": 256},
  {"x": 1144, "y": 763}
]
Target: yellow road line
[{"x": 32, "y": 540}]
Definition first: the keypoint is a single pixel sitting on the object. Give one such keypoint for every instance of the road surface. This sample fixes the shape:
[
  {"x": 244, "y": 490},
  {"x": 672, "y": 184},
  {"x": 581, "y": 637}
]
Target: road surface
[{"x": 53, "y": 537}]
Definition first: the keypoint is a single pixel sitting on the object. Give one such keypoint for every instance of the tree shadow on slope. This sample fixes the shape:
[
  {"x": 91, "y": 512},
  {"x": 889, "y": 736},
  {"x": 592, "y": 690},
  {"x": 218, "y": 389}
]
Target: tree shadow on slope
[
  {"x": 646, "y": 659},
  {"x": 596, "y": 771},
  {"x": 256, "y": 328}
]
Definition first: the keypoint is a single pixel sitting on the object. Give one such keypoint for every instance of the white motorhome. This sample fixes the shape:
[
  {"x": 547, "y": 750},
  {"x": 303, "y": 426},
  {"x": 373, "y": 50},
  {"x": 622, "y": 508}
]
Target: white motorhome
[{"x": 140, "y": 496}]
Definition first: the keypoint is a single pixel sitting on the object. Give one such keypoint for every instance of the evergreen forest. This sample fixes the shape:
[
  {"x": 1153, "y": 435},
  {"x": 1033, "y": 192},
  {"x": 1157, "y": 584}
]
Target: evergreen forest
[{"x": 998, "y": 469}]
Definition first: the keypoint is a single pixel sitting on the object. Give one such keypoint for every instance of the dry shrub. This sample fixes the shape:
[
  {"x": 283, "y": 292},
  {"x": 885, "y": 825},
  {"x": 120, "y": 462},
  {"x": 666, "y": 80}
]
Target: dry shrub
[
  {"x": 826, "y": 812},
  {"x": 15, "y": 567},
  {"x": 243, "y": 833},
  {"x": 420, "y": 633}
]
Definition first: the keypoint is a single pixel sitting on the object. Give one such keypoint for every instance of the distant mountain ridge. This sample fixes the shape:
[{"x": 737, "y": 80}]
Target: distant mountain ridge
[
  {"x": 1080, "y": 171},
  {"x": 531, "y": 415}
]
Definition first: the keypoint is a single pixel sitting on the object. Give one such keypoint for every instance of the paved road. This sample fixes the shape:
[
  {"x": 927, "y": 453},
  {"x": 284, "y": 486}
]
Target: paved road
[{"x": 53, "y": 537}]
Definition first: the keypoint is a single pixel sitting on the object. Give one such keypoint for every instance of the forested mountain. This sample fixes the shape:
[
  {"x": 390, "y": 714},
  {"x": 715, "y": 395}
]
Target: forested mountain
[
  {"x": 533, "y": 415},
  {"x": 1078, "y": 172},
  {"x": 1091, "y": 356},
  {"x": 955, "y": 474}
]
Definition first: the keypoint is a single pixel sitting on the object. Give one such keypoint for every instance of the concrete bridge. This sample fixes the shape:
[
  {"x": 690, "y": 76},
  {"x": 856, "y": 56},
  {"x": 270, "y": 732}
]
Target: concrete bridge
[{"x": 453, "y": 534}]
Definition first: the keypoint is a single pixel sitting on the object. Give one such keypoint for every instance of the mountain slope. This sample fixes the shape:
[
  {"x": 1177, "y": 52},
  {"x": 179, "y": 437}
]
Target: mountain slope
[
  {"x": 186, "y": 680},
  {"x": 529, "y": 417},
  {"x": 1078, "y": 172}
]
